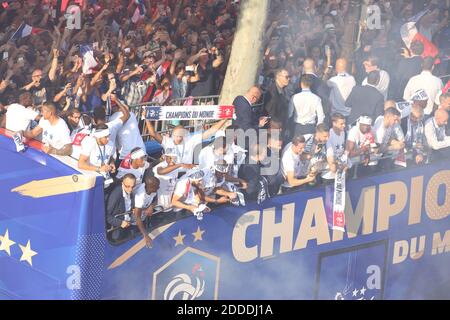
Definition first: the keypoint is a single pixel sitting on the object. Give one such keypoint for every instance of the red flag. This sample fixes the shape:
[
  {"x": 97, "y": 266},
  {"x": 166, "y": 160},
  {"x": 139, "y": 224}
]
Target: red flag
[{"x": 410, "y": 34}]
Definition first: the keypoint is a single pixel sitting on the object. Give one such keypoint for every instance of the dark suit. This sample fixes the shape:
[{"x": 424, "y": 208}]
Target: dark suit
[
  {"x": 320, "y": 88},
  {"x": 116, "y": 205},
  {"x": 406, "y": 69},
  {"x": 245, "y": 118},
  {"x": 364, "y": 100},
  {"x": 276, "y": 104}
]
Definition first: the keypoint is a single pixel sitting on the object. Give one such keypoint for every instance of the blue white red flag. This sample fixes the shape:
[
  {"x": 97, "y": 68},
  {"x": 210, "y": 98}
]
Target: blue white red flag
[
  {"x": 25, "y": 30},
  {"x": 89, "y": 61}
]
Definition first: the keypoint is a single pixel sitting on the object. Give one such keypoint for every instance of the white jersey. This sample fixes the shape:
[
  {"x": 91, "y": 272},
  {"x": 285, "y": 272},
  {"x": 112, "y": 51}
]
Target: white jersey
[
  {"x": 186, "y": 191},
  {"x": 129, "y": 136},
  {"x": 335, "y": 149},
  {"x": 207, "y": 158},
  {"x": 56, "y": 136},
  {"x": 126, "y": 167},
  {"x": 291, "y": 162},
  {"x": 77, "y": 140},
  {"x": 185, "y": 150},
  {"x": 236, "y": 156},
  {"x": 167, "y": 184},
  {"x": 18, "y": 117},
  {"x": 114, "y": 127},
  {"x": 142, "y": 200},
  {"x": 384, "y": 135},
  {"x": 98, "y": 155}
]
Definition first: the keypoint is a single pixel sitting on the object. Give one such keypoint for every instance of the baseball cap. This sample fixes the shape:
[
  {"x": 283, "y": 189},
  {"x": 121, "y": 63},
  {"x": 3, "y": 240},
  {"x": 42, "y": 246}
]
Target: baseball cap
[{"x": 365, "y": 120}]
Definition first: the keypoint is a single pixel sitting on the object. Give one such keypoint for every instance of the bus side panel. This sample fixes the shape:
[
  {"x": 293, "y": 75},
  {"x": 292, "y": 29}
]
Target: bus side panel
[{"x": 286, "y": 249}]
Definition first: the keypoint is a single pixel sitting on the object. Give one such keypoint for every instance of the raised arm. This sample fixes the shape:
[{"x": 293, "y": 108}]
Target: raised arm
[
  {"x": 54, "y": 65},
  {"x": 216, "y": 127},
  {"x": 151, "y": 131},
  {"x": 123, "y": 108},
  {"x": 217, "y": 62},
  {"x": 169, "y": 169}
]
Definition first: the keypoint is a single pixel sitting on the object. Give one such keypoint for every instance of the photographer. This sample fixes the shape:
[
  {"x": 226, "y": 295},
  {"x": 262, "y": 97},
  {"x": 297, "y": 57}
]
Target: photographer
[
  {"x": 133, "y": 87},
  {"x": 204, "y": 81}
]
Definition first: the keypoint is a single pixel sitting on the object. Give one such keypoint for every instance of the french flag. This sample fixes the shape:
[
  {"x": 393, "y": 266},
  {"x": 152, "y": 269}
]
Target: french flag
[
  {"x": 25, "y": 30},
  {"x": 89, "y": 61},
  {"x": 163, "y": 68},
  {"x": 140, "y": 11},
  {"x": 410, "y": 34}
]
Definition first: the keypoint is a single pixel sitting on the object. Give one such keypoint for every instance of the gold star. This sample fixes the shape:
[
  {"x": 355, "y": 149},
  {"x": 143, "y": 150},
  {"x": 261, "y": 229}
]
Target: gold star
[
  {"x": 6, "y": 243},
  {"x": 198, "y": 234},
  {"x": 179, "y": 239},
  {"x": 27, "y": 253}
]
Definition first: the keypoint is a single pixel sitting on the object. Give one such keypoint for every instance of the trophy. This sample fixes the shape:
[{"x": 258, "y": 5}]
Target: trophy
[{"x": 313, "y": 172}]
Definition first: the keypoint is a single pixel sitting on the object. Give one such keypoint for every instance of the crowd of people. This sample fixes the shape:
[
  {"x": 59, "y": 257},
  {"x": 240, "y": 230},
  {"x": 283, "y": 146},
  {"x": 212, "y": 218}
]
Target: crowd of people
[{"x": 73, "y": 89}]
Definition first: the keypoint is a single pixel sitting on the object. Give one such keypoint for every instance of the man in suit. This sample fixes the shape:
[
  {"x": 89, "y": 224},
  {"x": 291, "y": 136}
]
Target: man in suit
[
  {"x": 408, "y": 67},
  {"x": 120, "y": 204},
  {"x": 276, "y": 101},
  {"x": 318, "y": 87},
  {"x": 365, "y": 100},
  {"x": 245, "y": 118}
]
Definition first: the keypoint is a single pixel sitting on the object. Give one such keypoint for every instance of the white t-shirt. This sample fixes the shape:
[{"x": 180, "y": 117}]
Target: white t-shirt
[
  {"x": 336, "y": 144},
  {"x": 129, "y": 136},
  {"x": 56, "y": 136},
  {"x": 98, "y": 155},
  {"x": 335, "y": 149},
  {"x": 355, "y": 135},
  {"x": 142, "y": 200},
  {"x": 77, "y": 140},
  {"x": 18, "y": 117},
  {"x": 208, "y": 158},
  {"x": 114, "y": 127},
  {"x": 236, "y": 156},
  {"x": 360, "y": 139},
  {"x": 185, "y": 150},
  {"x": 291, "y": 162},
  {"x": 384, "y": 135},
  {"x": 125, "y": 167},
  {"x": 167, "y": 184},
  {"x": 185, "y": 190}
]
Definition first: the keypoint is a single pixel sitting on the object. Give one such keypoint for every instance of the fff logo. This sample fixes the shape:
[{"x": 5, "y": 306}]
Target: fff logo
[{"x": 73, "y": 17}]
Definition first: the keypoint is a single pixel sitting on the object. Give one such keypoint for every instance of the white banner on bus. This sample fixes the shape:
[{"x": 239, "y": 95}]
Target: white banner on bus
[
  {"x": 339, "y": 201},
  {"x": 203, "y": 112}
]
